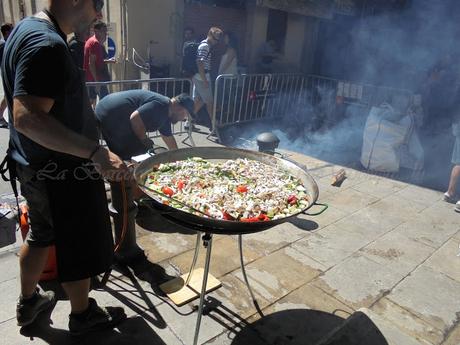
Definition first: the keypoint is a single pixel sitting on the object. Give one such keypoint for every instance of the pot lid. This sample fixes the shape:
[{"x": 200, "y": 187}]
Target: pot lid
[{"x": 267, "y": 138}]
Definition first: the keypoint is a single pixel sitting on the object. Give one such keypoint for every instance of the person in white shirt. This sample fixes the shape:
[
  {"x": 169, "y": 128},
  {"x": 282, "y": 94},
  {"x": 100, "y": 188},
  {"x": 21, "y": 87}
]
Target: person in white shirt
[{"x": 229, "y": 61}]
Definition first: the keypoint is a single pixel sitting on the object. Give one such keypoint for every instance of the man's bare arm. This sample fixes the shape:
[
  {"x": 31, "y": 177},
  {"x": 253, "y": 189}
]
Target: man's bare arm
[
  {"x": 31, "y": 118},
  {"x": 137, "y": 125},
  {"x": 170, "y": 141}
]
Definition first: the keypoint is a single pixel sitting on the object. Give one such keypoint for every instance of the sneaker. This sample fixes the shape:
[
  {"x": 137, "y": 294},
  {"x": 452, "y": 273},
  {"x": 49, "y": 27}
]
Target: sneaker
[
  {"x": 449, "y": 199},
  {"x": 27, "y": 310},
  {"x": 457, "y": 206},
  {"x": 95, "y": 318}
]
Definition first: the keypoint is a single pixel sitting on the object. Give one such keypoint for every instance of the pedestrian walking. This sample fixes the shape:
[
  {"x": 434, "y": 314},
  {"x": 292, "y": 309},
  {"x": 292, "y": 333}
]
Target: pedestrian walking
[{"x": 202, "y": 93}]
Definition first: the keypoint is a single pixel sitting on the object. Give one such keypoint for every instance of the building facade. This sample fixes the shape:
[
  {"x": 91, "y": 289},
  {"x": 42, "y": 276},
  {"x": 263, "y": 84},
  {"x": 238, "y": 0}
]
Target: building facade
[{"x": 152, "y": 30}]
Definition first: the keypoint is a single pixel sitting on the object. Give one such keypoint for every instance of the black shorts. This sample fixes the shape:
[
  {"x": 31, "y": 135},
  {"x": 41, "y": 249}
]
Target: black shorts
[{"x": 68, "y": 208}]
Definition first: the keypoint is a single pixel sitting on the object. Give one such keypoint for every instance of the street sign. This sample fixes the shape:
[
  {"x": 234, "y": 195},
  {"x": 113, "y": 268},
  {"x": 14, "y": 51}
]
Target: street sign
[{"x": 111, "y": 48}]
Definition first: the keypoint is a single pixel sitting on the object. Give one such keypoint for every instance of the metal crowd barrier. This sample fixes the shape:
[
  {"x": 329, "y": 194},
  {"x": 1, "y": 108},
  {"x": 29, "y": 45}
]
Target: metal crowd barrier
[
  {"x": 168, "y": 87},
  {"x": 349, "y": 92},
  {"x": 249, "y": 97}
]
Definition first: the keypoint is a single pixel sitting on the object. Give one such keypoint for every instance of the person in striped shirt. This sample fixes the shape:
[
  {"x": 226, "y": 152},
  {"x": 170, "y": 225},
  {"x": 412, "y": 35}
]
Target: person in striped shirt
[{"x": 202, "y": 93}]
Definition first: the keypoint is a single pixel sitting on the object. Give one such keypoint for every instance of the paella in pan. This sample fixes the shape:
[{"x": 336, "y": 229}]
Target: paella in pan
[
  {"x": 238, "y": 189},
  {"x": 195, "y": 218}
]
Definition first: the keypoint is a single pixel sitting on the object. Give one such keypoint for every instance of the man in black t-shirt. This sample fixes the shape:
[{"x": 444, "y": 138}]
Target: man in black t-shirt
[
  {"x": 53, "y": 140},
  {"x": 126, "y": 117},
  {"x": 77, "y": 46}
]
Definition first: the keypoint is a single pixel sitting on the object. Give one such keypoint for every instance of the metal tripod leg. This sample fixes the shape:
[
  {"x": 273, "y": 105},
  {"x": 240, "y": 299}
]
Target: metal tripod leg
[
  {"x": 207, "y": 243},
  {"x": 243, "y": 270},
  {"x": 195, "y": 257}
]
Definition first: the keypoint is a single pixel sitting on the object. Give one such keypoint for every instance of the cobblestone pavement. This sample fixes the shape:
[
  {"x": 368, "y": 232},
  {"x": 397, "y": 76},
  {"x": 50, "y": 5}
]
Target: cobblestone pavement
[{"x": 380, "y": 266}]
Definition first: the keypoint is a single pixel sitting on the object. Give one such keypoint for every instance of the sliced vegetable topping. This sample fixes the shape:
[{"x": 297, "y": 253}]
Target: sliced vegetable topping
[{"x": 236, "y": 190}]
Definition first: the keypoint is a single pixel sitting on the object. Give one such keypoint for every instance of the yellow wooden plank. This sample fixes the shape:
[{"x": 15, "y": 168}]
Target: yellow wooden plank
[{"x": 180, "y": 294}]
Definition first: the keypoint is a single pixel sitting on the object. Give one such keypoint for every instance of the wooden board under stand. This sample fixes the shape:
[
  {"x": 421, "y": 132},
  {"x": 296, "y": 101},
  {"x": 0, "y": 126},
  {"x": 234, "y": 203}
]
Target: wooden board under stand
[{"x": 180, "y": 294}]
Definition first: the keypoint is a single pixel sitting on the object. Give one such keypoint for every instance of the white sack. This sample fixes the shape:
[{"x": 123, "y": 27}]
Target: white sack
[{"x": 382, "y": 140}]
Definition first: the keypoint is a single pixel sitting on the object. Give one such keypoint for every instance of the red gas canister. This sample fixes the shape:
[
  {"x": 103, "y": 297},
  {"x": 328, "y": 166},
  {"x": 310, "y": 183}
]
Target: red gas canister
[{"x": 50, "y": 270}]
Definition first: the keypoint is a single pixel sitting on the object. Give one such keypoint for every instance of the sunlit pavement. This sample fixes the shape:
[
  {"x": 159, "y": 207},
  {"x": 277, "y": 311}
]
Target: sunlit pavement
[{"x": 380, "y": 266}]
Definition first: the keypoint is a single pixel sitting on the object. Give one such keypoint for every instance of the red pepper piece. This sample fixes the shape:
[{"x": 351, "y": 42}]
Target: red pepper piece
[
  {"x": 180, "y": 185},
  {"x": 292, "y": 200},
  {"x": 227, "y": 216},
  {"x": 250, "y": 220},
  {"x": 168, "y": 191},
  {"x": 263, "y": 217},
  {"x": 242, "y": 189}
]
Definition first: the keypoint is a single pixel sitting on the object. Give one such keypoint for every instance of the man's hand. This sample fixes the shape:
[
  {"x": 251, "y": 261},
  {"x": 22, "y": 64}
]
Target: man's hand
[
  {"x": 110, "y": 165},
  {"x": 148, "y": 143}
]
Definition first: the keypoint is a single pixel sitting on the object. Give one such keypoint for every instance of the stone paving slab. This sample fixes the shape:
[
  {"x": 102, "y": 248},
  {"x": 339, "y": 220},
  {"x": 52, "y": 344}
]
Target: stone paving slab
[
  {"x": 229, "y": 310},
  {"x": 310, "y": 297},
  {"x": 397, "y": 252},
  {"x": 332, "y": 215},
  {"x": 384, "y": 215},
  {"x": 392, "y": 335},
  {"x": 427, "y": 230},
  {"x": 457, "y": 236},
  {"x": 358, "y": 281},
  {"x": 443, "y": 213},
  {"x": 431, "y": 296},
  {"x": 276, "y": 275},
  {"x": 182, "y": 322},
  {"x": 160, "y": 246},
  {"x": 380, "y": 188},
  {"x": 328, "y": 246},
  {"x": 446, "y": 260},
  {"x": 271, "y": 240},
  {"x": 239, "y": 306},
  {"x": 407, "y": 322},
  {"x": 420, "y": 194},
  {"x": 454, "y": 337},
  {"x": 9, "y": 294},
  {"x": 10, "y": 266},
  {"x": 353, "y": 178},
  {"x": 10, "y": 335},
  {"x": 351, "y": 200},
  {"x": 225, "y": 257},
  {"x": 304, "y": 259}
]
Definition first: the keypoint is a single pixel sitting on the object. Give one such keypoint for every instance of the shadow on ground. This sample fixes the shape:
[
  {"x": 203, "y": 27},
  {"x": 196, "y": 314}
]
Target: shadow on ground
[
  {"x": 301, "y": 327},
  {"x": 304, "y": 224},
  {"x": 134, "y": 330},
  {"x": 294, "y": 327}
]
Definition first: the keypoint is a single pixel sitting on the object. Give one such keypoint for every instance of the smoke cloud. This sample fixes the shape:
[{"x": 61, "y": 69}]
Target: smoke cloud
[{"x": 413, "y": 48}]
